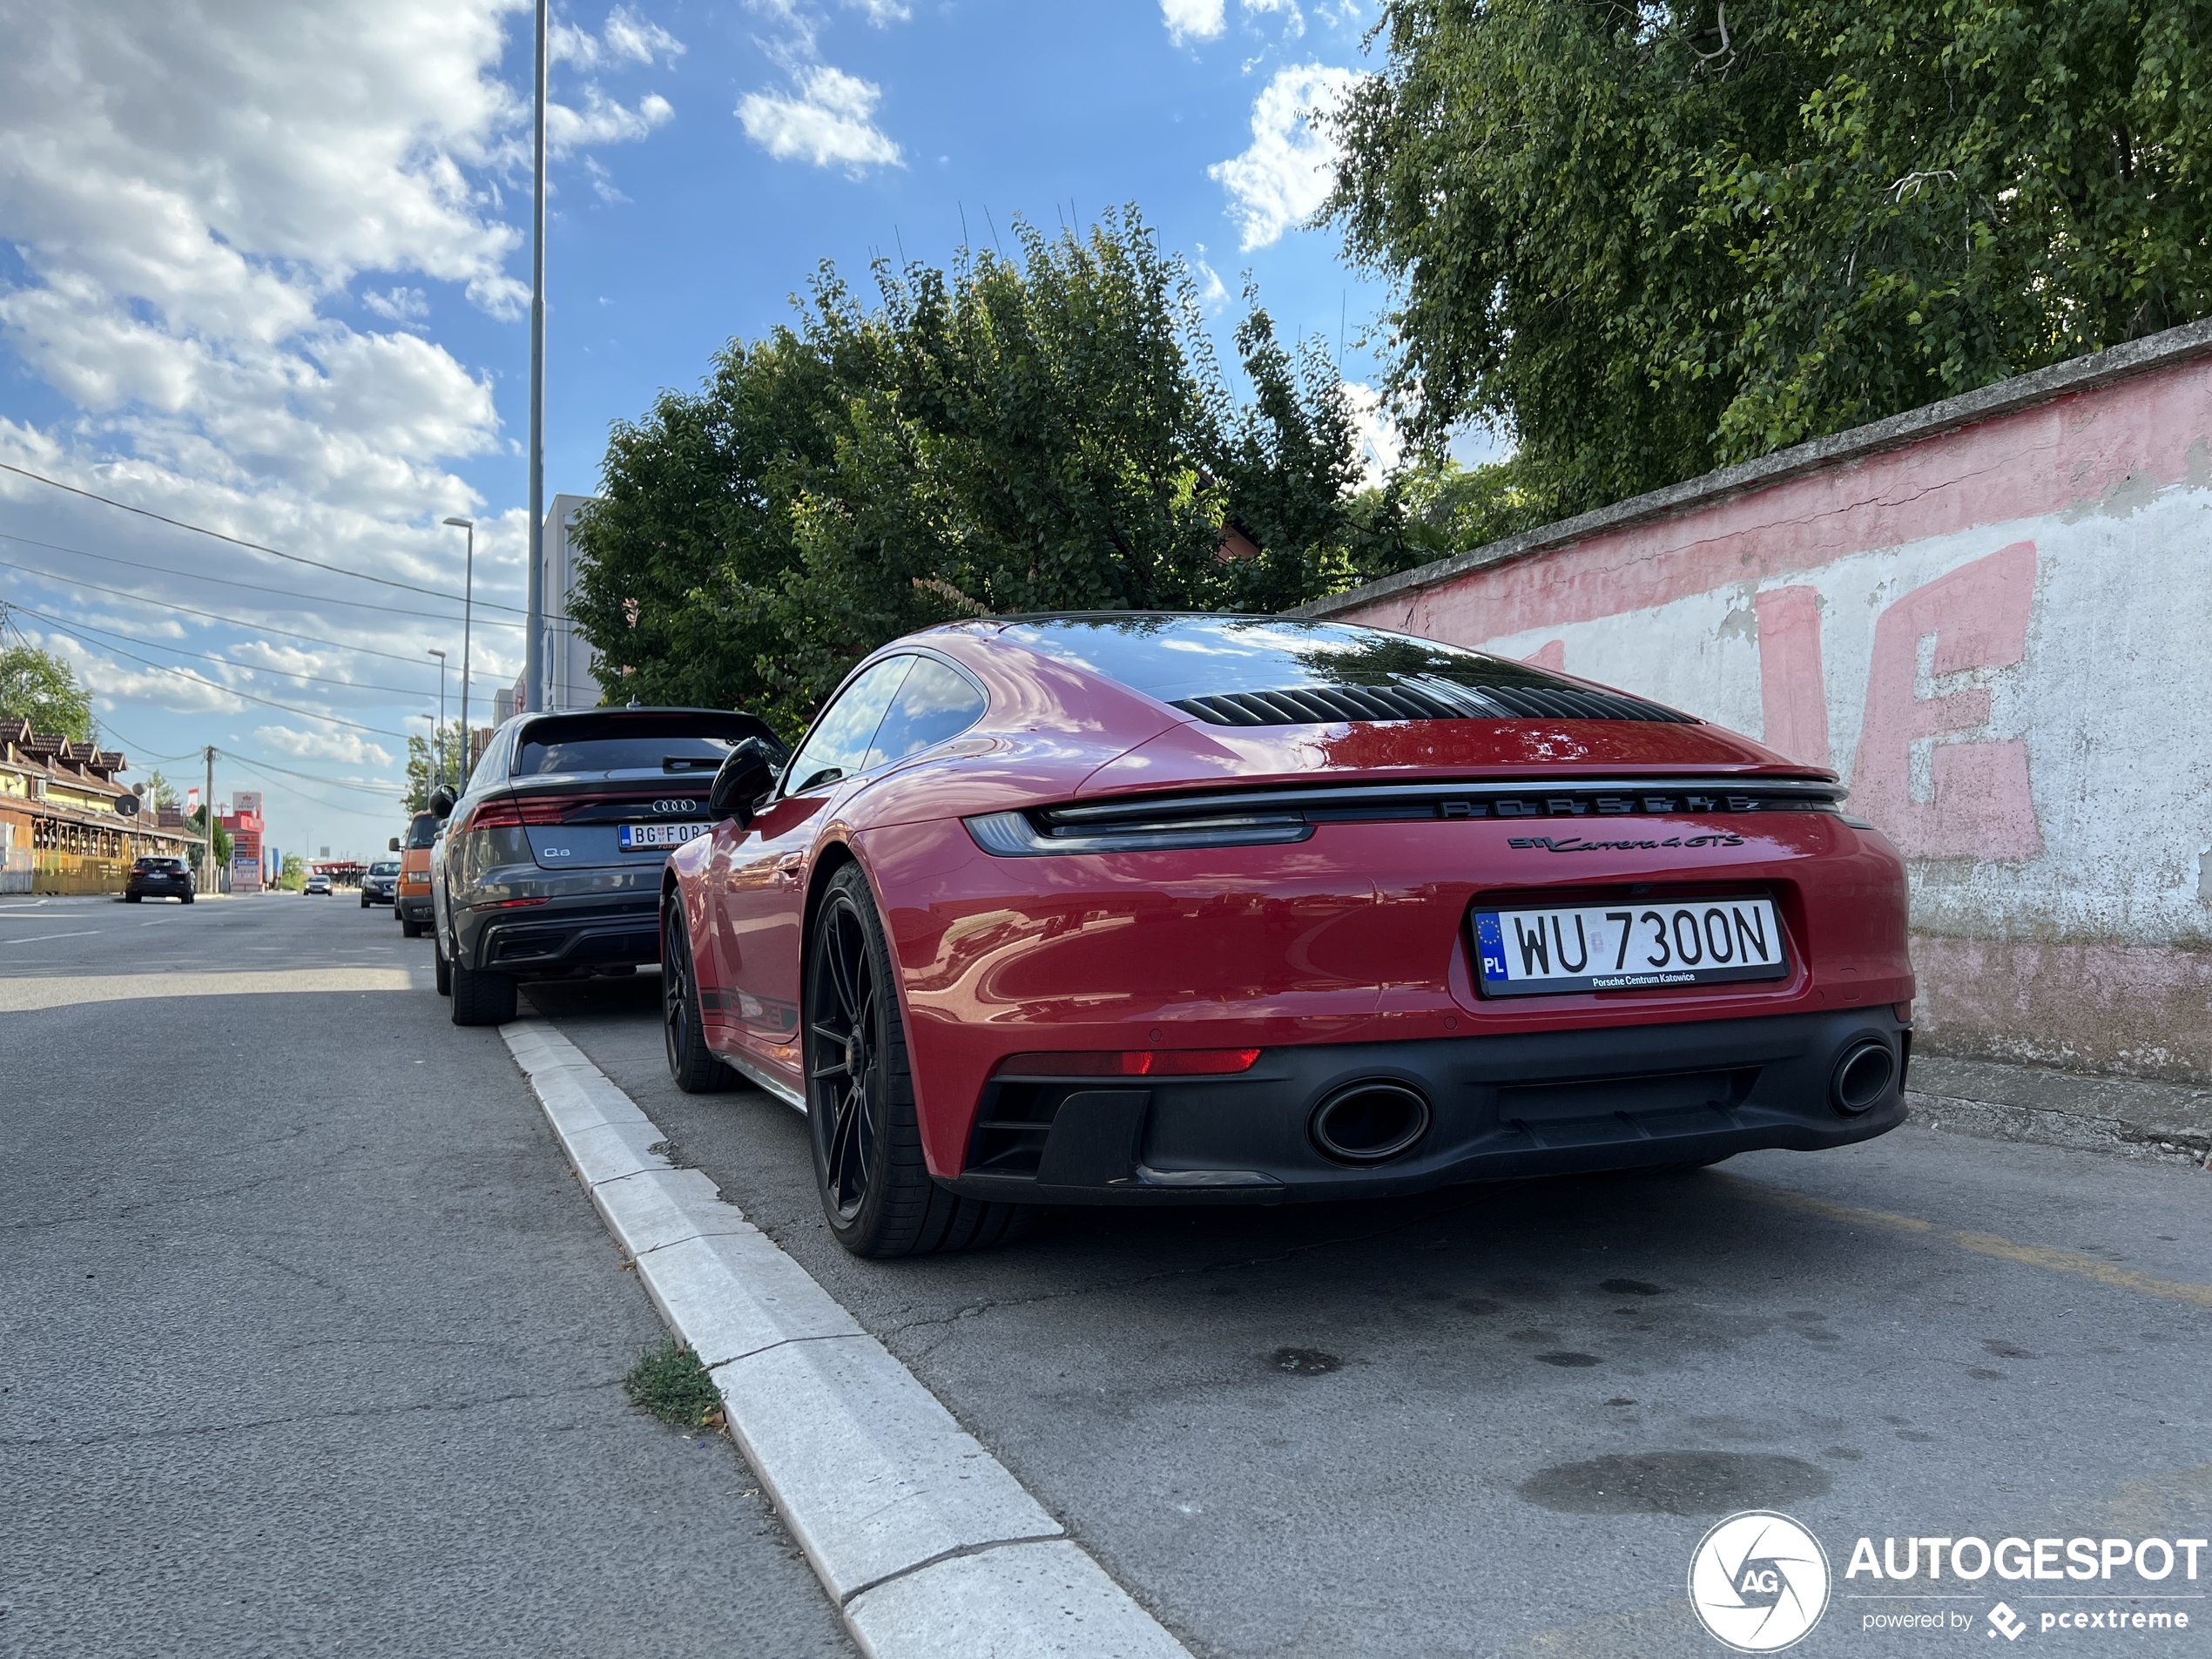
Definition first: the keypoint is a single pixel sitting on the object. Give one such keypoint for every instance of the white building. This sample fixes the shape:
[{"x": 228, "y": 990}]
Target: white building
[{"x": 568, "y": 683}]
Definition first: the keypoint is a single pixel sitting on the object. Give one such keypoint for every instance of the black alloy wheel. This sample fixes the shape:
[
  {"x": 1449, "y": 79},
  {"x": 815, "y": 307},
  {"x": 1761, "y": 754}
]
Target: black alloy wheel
[
  {"x": 691, "y": 1062},
  {"x": 875, "y": 1187}
]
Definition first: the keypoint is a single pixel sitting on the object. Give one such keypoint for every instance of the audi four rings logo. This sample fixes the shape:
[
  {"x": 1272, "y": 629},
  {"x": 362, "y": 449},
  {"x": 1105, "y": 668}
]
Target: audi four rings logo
[
  {"x": 675, "y": 806},
  {"x": 1759, "y": 1582}
]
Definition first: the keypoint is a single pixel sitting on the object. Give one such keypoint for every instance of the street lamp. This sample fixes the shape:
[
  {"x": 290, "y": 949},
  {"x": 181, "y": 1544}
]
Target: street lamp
[
  {"x": 467, "y": 596},
  {"x": 440, "y": 764}
]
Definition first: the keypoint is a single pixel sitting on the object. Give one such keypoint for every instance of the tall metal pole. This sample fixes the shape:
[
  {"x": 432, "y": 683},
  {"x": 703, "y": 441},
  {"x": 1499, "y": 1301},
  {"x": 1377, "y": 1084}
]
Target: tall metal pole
[
  {"x": 468, "y": 606},
  {"x": 438, "y": 760},
  {"x": 534, "y": 645},
  {"x": 207, "y": 820}
]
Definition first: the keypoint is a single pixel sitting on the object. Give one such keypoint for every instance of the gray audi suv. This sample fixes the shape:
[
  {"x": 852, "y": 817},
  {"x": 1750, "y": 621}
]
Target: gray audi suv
[{"x": 548, "y": 865}]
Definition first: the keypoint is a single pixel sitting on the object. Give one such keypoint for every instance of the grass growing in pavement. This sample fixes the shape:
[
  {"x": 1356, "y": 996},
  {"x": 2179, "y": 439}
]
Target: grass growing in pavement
[{"x": 670, "y": 1382}]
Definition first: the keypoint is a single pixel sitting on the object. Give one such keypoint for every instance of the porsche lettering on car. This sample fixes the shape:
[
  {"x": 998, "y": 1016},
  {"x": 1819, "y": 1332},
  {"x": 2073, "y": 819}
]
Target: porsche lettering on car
[{"x": 1129, "y": 908}]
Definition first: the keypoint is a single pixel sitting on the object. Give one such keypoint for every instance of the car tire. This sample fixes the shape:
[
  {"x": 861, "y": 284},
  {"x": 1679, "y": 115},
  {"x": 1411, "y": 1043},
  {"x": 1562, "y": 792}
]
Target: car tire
[
  {"x": 875, "y": 1187},
  {"x": 481, "y": 998},
  {"x": 691, "y": 1062},
  {"x": 364, "y": 902},
  {"x": 188, "y": 898},
  {"x": 409, "y": 929},
  {"x": 132, "y": 898},
  {"x": 444, "y": 971}
]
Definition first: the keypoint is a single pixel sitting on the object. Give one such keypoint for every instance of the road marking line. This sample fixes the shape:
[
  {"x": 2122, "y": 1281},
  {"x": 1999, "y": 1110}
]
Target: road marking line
[
  {"x": 926, "y": 1542},
  {"x": 2043, "y": 1255},
  {"x": 39, "y": 938},
  {"x": 48, "y": 991}
]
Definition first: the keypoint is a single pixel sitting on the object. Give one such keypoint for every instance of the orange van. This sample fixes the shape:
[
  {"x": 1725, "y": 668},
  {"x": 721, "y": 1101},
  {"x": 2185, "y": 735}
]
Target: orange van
[{"x": 412, "y": 901}]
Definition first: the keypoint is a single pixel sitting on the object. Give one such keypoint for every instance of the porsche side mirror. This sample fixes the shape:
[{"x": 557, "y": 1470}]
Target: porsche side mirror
[
  {"x": 396, "y": 844},
  {"x": 745, "y": 776},
  {"x": 441, "y": 800}
]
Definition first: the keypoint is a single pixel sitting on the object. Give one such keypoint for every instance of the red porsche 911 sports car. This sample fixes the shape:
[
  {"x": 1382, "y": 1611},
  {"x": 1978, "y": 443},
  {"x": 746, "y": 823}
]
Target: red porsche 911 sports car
[{"x": 1140, "y": 908}]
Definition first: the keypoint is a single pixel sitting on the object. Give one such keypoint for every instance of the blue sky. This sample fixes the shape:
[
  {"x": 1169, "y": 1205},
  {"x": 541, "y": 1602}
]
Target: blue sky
[{"x": 266, "y": 273}]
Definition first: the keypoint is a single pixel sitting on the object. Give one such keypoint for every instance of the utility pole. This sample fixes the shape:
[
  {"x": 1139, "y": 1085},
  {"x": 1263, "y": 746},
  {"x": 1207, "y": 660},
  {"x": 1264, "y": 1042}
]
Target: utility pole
[
  {"x": 207, "y": 819},
  {"x": 438, "y": 759},
  {"x": 534, "y": 645},
  {"x": 468, "y": 606}
]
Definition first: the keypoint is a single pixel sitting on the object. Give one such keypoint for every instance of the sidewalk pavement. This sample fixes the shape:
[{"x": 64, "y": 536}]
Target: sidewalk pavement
[{"x": 2008, "y": 1102}]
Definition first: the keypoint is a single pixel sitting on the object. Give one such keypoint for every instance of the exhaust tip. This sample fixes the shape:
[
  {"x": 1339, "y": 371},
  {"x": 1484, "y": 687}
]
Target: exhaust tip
[
  {"x": 1369, "y": 1123},
  {"x": 1863, "y": 1077}
]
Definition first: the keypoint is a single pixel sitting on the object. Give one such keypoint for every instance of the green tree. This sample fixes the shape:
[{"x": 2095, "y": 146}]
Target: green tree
[
  {"x": 159, "y": 792},
  {"x": 37, "y": 686},
  {"x": 1646, "y": 240},
  {"x": 1050, "y": 432},
  {"x": 432, "y": 760},
  {"x": 292, "y": 876},
  {"x": 197, "y": 820}
]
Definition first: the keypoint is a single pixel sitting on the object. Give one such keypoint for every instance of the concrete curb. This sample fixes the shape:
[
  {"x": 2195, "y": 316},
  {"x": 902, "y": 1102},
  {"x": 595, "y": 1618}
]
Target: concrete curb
[
  {"x": 926, "y": 1543},
  {"x": 1998, "y": 1102}
]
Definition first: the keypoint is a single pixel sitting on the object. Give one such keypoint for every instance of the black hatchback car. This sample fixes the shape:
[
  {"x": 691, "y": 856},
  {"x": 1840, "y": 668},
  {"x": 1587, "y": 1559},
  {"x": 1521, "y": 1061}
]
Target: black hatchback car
[
  {"x": 549, "y": 867},
  {"x": 157, "y": 878}
]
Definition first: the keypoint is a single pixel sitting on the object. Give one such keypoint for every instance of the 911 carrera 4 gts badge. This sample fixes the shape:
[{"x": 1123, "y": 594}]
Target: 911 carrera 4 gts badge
[{"x": 1577, "y": 844}]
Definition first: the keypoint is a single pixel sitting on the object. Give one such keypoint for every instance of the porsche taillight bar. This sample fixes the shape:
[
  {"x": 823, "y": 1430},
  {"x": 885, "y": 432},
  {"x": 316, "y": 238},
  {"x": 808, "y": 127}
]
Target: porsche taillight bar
[
  {"x": 1262, "y": 816},
  {"x": 1129, "y": 1062}
]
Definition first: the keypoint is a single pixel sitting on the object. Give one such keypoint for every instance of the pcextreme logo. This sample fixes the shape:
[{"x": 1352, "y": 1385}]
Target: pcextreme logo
[{"x": 1759, "y": 1582}]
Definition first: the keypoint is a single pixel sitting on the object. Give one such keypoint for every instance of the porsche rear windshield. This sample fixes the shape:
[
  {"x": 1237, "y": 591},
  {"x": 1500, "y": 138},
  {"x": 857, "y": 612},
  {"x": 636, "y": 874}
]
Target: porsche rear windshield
[
  {"x": 616, "y": 740},
  {"x": 1175, "y": 656}
]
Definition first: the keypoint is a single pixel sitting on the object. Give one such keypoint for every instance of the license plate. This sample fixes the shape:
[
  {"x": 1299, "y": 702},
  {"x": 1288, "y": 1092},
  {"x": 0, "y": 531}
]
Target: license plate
[
  {"x": 1627, "y": 946},
  {"x": 643, "y": 836}
]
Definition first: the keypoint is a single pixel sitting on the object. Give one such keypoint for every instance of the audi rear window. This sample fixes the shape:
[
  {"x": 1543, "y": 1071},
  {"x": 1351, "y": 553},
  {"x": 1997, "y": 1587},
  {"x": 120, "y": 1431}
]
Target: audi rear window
[{"x": 617, "y": 740}]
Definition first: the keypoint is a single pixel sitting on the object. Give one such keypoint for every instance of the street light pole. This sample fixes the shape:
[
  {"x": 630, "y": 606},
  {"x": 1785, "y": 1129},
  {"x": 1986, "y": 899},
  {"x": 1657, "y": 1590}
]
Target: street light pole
[
  {"x": 467, "y": 601},
  {"x": 439, "y": 766},
  {"x": 534, "y": 644}
]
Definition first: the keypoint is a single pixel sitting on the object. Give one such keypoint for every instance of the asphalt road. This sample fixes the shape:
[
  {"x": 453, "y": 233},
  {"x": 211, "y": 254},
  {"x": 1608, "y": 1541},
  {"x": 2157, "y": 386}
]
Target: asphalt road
[
  {"x": 309, "y": 1341},
  {"x": 1497, "y": 1421}
]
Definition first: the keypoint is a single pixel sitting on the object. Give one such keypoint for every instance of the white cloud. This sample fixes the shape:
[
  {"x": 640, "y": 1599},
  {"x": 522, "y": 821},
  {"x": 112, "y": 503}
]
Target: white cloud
[
  {"x": 1294, "y": 19},
  {"x": 627, "y": 36},
  {"x": 1213, "y": 293},
  {"x": 349, "y": 747},
  {"x": 602, "y": 120},
  {"x": 1188, "y": 20},
  {"x": 1286, "y": 174},
  {"x": 1380, "y": 447},
  {"x": 398, "y": 305},
  {"x": 832, "y": 120}
]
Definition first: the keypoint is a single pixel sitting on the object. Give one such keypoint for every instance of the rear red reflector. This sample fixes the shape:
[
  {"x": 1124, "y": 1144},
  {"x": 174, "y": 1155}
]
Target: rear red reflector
[
  {"x": 1131, "y": 1062},
  {"x": 1903, "y": 1012},
  {"x": 508, "y": 904}
]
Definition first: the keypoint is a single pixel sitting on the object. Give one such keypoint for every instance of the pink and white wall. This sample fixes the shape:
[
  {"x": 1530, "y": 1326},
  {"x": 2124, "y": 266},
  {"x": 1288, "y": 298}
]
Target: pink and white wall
[{"x": 1992, "y": 617}]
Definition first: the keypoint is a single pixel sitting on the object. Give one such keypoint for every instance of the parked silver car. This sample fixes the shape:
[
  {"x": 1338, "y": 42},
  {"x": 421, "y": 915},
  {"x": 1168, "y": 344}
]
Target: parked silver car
[{"x": 549, "y": 865}]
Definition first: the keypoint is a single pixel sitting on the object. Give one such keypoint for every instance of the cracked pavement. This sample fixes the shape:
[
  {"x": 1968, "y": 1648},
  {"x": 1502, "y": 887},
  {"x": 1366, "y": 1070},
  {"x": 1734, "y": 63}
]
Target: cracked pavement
[
  {"x": 310, "y": 1342},
  {"x": 1497, "y": 1421}
]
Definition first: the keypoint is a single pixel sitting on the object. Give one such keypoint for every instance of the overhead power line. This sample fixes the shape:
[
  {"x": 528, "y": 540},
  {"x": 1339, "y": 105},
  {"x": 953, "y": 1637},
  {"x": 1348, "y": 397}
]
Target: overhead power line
[
  {"x": 248, "y": 668},
  {"x": 202, "y": 680},
  {"x": 239, "y": 541},
  {"x": 268, "y": 769},
  {"x": 217, "y": 615},
  {"x": 251, "y": 587}
]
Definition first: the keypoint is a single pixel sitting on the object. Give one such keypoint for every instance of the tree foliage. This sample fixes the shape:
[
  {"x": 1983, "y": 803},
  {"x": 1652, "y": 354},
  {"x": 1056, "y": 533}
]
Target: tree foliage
[
  {"x": 1649, "y": 239},
  {"x": 431, "y": 760},
  {"x": 1050, "y": 432},
  {"x": 37, "y": 686}
]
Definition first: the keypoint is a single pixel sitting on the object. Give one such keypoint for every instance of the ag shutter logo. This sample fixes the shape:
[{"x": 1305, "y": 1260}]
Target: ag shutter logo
[{"x": 1759, "y": 1582}]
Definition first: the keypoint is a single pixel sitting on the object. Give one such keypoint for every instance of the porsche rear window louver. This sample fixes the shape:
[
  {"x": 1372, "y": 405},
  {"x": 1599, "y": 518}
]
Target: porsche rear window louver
[{"x": 1427, "y": 699}]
